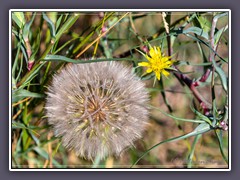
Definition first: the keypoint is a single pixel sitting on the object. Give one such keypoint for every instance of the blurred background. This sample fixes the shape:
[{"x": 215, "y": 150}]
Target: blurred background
[{"x": 35, "y": 35}]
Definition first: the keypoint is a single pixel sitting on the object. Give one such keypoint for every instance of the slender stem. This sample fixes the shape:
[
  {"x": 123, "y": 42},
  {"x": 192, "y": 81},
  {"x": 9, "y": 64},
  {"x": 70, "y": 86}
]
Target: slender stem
[
  {"x": 204, "y": 76},
  {"x": 19, "y": 102},
  {"x": 101, "y": 31},
  {"x": 28, "y": 47},
  {"x": 205, "y": 105},
  {"x": 160, "y": 31},
  {"x": 190, "y": 83},
  {"x": 214, "y": 23},
  {"x": 103, "y": 34},
  {"x": 212, "y": 53}
]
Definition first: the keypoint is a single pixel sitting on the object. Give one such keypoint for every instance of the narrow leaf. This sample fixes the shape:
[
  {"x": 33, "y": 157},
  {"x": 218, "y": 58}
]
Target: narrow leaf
[
  {"x": 50, "y": 25},
  {"x": 65, "y": 59},
  {"x": 36, "y": 45},
  {"x": 222, "y": 76},
  {"x": 177, "y": 118},
  {"x": 220, "y": 140},
  {"x": 204, "y": 23},
  {"x": 147, "y": 76},
  {"x": 201, "y": 116},
  {"x": 59, "y": 20},
  {"x": 219, "y": 16},
  {"x": 26, "y": 28},
  {"x": 45, "y": 155},
  {"x": 207, "y": 44},
  {"x": 196, "y": 30},
  {"x": 20, "y": 94},
  {"x": 182, "y": 62},
  {"x": 164, "y": 96},
  {"x": 200, "y": 129},
  {"x": 31, "y": 75},
  {"x": 218, "y": 34},
  {"x": 67, "y": 25},
  {"x": 190, "y": 157},
  {"x": 18, "y": 18}
]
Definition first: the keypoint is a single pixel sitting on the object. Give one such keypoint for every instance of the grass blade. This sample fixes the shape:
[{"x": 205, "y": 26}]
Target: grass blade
[
  {"x": 20, "y": 94},
  {"x": 220, "y": 141},
  {"x": 50, "y": 25},
  {"x": 177, "y": 118},
  {"x": 196, "y": 30},
  {"x": 19, "y": 19},
  {"x": 190, "y": 157},
  {"x": 200, "y": 129},
  {"x": 26, "y": 28},
  {"x": 69, "y": 60}
]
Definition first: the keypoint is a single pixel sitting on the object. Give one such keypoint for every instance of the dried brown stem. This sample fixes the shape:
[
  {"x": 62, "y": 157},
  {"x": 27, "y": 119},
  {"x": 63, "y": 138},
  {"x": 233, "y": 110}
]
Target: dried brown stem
[{"x": 19, "y": 102}]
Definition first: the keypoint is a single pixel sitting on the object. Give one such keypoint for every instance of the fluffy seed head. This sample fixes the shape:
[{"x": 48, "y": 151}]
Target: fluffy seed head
[{"x": 97, "y": 108}]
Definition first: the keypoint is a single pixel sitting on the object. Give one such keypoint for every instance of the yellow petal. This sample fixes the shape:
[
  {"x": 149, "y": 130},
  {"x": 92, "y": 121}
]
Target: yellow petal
[
  {"x": 149, "y": 70},
  {"x": 148, "y": 58},
  {"x": 157, "y": 75},
  {"x": 159, "y": 52},
  {"x": 155, "y": 52},
  {"x": 152, "y": 52},
  {"x": 165, "y": 73},
  {"x": 143, "y": 64}
]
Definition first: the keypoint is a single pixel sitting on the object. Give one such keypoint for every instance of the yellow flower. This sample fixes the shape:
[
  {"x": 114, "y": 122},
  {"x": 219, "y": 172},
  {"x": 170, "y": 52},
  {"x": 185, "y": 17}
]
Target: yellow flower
[{"x": 156, "y": 62}]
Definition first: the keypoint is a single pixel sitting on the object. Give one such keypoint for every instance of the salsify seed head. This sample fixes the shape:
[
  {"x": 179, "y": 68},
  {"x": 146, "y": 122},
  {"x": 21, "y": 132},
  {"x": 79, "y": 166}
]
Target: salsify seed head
[{"x": 99, "y": 109}]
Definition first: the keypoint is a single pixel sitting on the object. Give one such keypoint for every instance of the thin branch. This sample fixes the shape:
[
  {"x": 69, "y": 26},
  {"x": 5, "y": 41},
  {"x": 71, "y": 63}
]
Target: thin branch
[
  {"x": 160, "y": 31},
  {"x": 19, "y": 102},
  {"x": 190, "y": 83},
  {"x": 103, "y": 34},
  {"x": 212, "y": 53}
]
